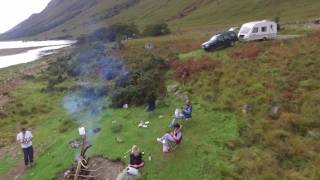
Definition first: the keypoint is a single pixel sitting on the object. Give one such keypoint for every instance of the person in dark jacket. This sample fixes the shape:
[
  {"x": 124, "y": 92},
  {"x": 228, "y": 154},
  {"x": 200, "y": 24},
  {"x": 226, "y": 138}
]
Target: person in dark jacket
[
  {"x": 151, "y": 103},
  {"x": 136, "y": 158},
  {"x": 187, "y": 111}
]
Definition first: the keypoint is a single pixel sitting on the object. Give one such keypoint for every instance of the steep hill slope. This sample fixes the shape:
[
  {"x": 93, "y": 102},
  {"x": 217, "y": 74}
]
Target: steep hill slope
[
  {"x": 56, "y": 13},
  {"x": 76, "y": 17}
]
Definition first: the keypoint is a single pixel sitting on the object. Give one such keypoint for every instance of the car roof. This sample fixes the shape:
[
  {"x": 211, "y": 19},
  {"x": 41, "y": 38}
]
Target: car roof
[{"x": 225, "y": 32}]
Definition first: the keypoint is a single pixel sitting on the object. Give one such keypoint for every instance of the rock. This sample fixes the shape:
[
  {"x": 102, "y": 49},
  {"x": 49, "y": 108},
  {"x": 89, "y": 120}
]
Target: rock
[
  {"x": 183, "y": 96},
  {"x": 314, "y": 134},
  {"x": 125, "y": 176},
  {"x": 172, "y": 88},
  {"x": 275, "y": 112},
  {"x": 96, "y": 130},
  {"x": 119, "y": 140},
  {"x": 246, "y": 108},
  {"x": 231, "y": 145},
  {"x": 149, "y": 46},
  {"x": 125, "y": 106},
  {"x": 75, "y": 144}
]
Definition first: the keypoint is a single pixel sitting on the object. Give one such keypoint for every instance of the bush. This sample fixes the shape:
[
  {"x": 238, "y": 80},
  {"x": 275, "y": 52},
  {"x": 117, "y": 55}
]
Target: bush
[
  {"x": 110, "y": 34},
  {"x": 124, "y": 30},
  {"x": 145, "y": 79},
  {"x": 156, "y": 30},
  {"x": 116, "y": 127},
  {"x": 57, "y": 71}
]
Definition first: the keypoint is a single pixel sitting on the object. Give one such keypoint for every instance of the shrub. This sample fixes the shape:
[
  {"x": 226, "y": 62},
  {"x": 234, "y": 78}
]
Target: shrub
[
  {"x": 124, "y": 30},
  {"x": 145, "y": 79},
  {"x": 156, "y": 29},
  {"x": 110, "y": 34},
  {"x": 116, "y": 127},
  {"x": 57, "y": 71},
  {"x": 65, "y": 125}
]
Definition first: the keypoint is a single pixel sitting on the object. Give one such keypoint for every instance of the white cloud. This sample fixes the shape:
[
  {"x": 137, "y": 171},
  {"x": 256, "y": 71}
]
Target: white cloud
[{"x": 12, "y": 12}]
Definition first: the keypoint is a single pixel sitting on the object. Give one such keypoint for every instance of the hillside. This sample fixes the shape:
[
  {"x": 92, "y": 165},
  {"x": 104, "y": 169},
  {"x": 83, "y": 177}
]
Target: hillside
[{"x": 75, "y": 17}]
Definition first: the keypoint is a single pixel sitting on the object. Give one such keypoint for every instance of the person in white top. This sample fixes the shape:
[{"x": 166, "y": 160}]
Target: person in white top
[{"x": 24, "y": 138}]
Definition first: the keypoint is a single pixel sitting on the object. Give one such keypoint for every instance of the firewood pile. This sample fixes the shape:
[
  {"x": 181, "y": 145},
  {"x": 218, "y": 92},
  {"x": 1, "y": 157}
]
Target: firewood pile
[{"x": 79, "y": 169}]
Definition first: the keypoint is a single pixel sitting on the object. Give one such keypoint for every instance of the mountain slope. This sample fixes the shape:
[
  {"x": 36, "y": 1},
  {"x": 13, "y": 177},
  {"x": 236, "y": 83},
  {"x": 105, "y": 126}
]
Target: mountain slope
[
  {"x": 76, "y": 17},
  {"x": 54, "y": 15}
]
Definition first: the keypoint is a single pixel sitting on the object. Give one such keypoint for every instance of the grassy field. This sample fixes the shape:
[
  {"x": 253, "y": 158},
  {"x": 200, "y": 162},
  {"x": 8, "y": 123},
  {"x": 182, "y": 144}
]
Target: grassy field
[{"x": 211, "y": 159}]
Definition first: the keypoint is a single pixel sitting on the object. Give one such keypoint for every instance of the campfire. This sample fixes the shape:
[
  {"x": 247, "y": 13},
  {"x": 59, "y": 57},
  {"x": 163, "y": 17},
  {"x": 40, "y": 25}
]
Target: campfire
[{"x": 79, "y": 169}]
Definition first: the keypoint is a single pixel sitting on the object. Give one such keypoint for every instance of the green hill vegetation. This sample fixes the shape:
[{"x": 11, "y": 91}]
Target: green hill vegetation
[{"x": 82, "y": 17}]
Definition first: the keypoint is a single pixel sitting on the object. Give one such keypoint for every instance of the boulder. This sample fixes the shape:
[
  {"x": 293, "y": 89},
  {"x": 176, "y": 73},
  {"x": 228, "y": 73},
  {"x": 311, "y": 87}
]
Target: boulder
[
  {"x": 172, "y": 87},
  {"x": 149, "y": 46},
  {"x": 246, "y": 108},
  {"x": 275, "y": 112},
  {"x": 125, "y": 176}
]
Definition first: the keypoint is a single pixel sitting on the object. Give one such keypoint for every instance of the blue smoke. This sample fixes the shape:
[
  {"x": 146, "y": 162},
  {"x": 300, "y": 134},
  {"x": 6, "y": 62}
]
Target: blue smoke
[{"x": 93, "y": 67}]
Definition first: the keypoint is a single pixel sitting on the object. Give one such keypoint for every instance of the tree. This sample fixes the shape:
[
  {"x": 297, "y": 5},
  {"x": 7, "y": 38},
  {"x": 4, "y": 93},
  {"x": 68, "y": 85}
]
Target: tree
[{"x": 156, "y": 29}]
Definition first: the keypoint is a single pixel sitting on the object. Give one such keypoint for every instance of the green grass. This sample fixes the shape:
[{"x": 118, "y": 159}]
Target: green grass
[
  {"x": 6, "y": 163},
  {"x": 209, "y": 156},
  {"x": 202, "y": 153},
  {"x": 43, "y": 114}
]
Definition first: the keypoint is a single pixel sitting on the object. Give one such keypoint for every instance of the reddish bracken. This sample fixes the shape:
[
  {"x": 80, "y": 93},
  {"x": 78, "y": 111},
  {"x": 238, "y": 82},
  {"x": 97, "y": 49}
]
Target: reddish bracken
[
  {"x": 184, "y": 69},
  {"x": 249, "y": 51}
]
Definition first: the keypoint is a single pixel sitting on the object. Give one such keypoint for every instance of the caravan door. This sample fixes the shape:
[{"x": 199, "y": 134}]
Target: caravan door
[{"x": 254, "y": 35}]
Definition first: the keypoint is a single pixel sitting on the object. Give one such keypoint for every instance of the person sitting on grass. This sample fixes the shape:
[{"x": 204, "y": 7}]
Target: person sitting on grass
[
  {"x": 187, "y": 111},
  {"x": 175, "y": 136},
  {"x": 136, "y": 161},
  {"x": 183, "y": 113}
]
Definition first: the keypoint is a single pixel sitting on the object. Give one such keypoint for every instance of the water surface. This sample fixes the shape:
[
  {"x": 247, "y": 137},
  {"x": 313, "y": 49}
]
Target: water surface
[{"x": 45, "y": 48}]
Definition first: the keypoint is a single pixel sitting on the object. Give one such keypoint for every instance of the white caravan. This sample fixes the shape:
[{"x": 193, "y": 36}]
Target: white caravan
[{"x": 258, "y": 30}]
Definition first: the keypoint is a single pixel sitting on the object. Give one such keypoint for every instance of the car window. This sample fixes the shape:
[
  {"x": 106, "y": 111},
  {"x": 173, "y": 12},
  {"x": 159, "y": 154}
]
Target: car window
[
  {"x": 220, "y": 38},
  {"x": 226, "y": 37},
  {"x": 255, "y": 30},
  {"x": 214, "y": 38}
]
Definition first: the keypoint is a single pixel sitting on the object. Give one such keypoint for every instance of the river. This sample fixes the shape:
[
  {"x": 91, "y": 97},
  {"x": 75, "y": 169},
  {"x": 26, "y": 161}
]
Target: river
[{"x": 41, "y": 48}]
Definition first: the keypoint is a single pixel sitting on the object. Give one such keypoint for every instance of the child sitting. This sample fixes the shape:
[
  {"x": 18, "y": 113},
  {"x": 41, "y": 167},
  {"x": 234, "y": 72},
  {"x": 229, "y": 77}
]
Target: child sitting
[{"x": 175, "y": 136}]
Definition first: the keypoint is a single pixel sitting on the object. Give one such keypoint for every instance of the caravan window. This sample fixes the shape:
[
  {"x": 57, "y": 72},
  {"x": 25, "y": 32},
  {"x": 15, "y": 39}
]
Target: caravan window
[
  {"x": 255, "y": 30},
  {"x": 264, "y": 29},
  {"x": 245, "y": 30}
]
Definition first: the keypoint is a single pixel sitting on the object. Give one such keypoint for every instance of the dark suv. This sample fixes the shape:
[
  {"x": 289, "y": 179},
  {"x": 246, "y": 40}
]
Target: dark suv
[{"x": 220, "y": 40}]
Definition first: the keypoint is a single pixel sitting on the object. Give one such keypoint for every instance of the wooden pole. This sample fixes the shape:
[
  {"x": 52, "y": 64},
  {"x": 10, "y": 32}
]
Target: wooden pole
[{"x": 79, "y": 166}]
